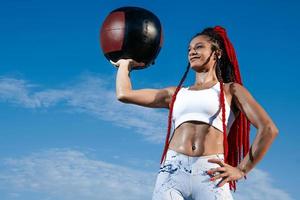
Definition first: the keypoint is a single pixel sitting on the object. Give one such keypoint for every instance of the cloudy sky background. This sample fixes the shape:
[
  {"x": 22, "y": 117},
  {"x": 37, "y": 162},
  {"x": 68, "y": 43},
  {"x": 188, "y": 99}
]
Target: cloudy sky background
[{"x": 63, "y": 134}]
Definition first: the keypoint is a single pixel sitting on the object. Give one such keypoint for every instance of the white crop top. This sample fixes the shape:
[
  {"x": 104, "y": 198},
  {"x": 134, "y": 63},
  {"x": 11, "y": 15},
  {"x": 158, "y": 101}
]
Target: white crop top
[{"x": 201, "y": 105}]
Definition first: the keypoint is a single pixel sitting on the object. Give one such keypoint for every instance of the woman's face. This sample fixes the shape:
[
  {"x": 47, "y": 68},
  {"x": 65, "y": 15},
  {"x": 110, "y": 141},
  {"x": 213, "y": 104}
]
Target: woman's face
[{"x": 200, "y": 54}]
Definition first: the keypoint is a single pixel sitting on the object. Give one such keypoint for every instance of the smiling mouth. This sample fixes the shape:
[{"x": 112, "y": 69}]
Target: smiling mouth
[{"x": 194, "y": 58}]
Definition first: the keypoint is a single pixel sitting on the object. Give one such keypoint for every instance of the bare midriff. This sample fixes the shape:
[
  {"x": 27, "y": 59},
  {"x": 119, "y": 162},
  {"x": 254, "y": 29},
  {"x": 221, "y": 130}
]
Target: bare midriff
[{"x": 194, "y": 138}]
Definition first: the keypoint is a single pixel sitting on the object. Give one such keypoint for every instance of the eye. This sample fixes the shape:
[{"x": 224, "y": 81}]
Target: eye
[{"x": 198, "y": 46}]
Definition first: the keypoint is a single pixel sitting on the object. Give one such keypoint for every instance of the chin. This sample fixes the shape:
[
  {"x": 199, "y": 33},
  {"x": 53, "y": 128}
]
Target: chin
[
  {"x": 197, "y": 67},
  {"x": 193, "y": 64}
]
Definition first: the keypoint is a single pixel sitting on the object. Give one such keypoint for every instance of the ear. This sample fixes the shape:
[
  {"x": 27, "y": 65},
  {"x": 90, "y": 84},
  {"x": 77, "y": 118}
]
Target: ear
[{"x": 218, "y": 53}]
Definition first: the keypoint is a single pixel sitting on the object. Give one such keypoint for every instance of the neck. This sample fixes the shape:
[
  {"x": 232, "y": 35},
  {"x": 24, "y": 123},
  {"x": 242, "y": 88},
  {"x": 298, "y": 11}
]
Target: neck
[{"x": 205, "y": 77}]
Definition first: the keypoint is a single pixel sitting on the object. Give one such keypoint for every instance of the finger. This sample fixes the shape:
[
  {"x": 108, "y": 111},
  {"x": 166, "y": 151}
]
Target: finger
[
  {"x": 214, "y": 170},
  {"x": 223, "y": 182},
  {"x": 222, "y": 175},
  {"x": 138, "y": 64},
  {"x": 114, "y": 63},
  {"x": 218, "y": 161}
]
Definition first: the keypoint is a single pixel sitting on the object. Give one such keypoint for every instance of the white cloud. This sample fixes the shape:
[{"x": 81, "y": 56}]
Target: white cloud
[
  {"x": 91, "y": 95},
  {"x": 70, "y": 174},
  {"x": 17, "y": 91},
  {"x": 64, "y": 174},
  {"x": 22, "y": 93}
]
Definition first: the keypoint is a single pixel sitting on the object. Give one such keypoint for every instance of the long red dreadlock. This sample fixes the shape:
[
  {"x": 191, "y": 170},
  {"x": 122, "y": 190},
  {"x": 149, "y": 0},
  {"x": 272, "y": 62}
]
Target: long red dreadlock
[{"x": 238, "y": 137}]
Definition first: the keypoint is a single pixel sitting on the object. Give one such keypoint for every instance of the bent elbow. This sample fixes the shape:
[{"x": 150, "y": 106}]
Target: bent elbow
[
  {"x": 122, "y": 98},
  {"x": 272, "y": 129},
  {"x": 276, "y": 131}
]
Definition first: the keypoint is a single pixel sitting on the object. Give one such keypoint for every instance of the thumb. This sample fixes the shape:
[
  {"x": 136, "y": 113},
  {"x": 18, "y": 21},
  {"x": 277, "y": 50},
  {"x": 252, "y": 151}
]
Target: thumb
[{"x": 114, "y": 63}]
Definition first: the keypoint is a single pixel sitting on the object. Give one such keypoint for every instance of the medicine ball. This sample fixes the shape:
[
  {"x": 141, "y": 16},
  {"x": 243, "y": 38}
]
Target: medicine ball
[{"x": 131, "y": 32}]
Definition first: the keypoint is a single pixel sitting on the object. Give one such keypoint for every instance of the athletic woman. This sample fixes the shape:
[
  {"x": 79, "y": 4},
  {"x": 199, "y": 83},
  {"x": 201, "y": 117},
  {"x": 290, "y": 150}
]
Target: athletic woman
[{"x": 209, "y": 149}]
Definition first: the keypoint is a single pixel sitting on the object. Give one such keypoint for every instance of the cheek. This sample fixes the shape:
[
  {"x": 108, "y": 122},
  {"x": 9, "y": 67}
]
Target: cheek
[{"x": 205, "y": 55}]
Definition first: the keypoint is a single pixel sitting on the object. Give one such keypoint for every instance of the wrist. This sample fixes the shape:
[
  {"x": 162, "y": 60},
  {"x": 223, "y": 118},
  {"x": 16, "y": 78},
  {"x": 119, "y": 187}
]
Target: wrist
[
  {"x": 126, "y": 66},
  {"x": 242, "y": 170}
]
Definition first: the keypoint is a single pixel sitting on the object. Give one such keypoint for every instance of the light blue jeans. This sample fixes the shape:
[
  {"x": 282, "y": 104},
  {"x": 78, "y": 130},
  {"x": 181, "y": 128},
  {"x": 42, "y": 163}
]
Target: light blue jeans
[{"x": 183, "y": 177}]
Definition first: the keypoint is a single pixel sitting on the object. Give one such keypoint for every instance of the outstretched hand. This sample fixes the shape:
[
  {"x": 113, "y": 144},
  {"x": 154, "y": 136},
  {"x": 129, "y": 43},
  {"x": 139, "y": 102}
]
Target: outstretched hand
[
  {"x": 225, "y": 171},
  {"x": 128, "y": 62}
]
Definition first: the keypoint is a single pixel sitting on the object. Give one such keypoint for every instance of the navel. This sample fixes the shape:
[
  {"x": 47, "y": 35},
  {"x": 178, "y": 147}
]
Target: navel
[{"x": 193, "y": 147}]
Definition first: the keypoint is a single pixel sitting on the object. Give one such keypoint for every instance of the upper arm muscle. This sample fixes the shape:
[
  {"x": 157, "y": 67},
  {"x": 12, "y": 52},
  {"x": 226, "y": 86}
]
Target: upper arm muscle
[
  {"x": 248, "y": 105},
  {"x": 153, "y": 98}
]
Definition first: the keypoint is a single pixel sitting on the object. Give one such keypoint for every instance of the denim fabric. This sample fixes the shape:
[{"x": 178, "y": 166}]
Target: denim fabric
[{"x": 183, "y": 177}]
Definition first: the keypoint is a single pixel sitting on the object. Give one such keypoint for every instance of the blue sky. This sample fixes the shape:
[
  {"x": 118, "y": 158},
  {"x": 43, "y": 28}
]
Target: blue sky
[{"x": 65, "y": 136}]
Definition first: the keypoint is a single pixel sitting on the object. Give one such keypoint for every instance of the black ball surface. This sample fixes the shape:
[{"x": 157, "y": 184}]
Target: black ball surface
[{"x": 131, "y": 32}]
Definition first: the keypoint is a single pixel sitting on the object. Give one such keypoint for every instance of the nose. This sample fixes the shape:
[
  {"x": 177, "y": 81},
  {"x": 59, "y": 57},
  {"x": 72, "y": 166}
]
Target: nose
[{"x": 192, "y": 52}]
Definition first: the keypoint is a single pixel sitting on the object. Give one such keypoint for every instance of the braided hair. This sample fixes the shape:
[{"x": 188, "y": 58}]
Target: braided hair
[{"x": 236, "y": 144}]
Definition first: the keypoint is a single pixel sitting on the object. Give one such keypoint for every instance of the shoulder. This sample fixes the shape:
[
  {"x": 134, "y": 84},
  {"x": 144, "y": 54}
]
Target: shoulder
[
  {"x": 239, "y": 91},
  {"x": 234, "y": 88},
  {"x": 235, "y": 91},
  {"x": 240, "y": 94},
  {"x": 171, "y": 90}
]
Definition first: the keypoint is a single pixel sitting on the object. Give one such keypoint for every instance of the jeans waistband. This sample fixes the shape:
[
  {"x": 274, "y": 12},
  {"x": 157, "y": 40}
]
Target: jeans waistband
[{"x": 173, "y": 155}]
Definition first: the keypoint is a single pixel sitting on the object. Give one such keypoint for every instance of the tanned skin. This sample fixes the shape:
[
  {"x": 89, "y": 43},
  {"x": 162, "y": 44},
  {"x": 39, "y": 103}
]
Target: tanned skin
[{"x": 194, "y": 138}]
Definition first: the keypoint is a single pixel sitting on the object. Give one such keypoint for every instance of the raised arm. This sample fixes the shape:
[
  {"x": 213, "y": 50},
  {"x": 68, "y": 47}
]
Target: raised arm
[{"x": 153, "y": 98}]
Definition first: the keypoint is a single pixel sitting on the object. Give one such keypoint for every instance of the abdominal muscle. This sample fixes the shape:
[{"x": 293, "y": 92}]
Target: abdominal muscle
[{"x": 194, "y": 138}]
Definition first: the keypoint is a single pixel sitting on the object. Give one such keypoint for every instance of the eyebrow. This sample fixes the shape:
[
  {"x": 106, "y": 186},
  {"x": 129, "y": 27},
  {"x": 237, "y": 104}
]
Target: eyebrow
[{"x": 197, "y": 44}]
